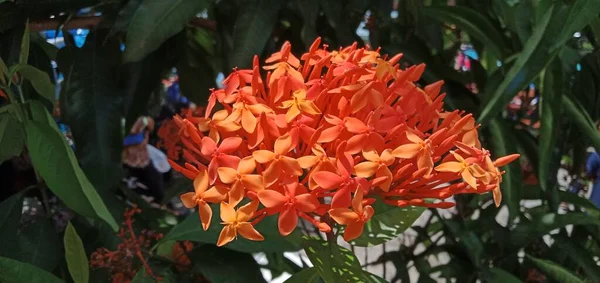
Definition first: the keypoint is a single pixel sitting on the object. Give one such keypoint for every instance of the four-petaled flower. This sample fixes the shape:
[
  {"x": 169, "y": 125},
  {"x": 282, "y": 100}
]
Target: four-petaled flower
[
  {"x": 354, "y": 218},
  {"x": 236, "y": 222},
  {"x": 202, "y": 196}
]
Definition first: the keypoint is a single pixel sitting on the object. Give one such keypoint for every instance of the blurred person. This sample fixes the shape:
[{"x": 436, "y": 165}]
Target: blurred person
[{"x": 137, "y": 159}]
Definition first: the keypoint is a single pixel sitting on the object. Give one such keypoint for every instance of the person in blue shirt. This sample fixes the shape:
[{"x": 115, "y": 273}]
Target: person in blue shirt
[{"x": 592, "y": 169}]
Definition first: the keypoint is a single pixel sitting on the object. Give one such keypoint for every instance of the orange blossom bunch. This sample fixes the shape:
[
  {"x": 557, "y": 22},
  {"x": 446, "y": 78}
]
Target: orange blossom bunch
[{"x": 321, "y": 136}]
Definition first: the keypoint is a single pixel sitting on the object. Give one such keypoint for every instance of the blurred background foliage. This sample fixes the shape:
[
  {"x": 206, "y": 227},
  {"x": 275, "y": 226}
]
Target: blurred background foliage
[{"x": 527, "y": 69}]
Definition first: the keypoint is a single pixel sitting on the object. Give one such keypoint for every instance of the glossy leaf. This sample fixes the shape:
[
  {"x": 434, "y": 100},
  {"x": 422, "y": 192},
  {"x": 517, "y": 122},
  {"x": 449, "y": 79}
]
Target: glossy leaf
[
  {"x": 528, "y": 64},
  {"x": 39, "y": 80},
  {"x": 497, "y": 275},
  {"x": 191, "y": 229},
  {"x": 154, "y": 22},
  {"x": 92, "y": 104},
  {"x": 542, "y": 224},
  {"x": 307, "y": 275},
  {"x": 335, "y": 263},
  {"x": 582, "y": 120},
  {"x": 473, "y": 23},
  {"x": 25, "y": 45},
  {"x": 387, "y": 224},
  {"x": 10, "y": 216},
  {"x": 57, "y": 165},
  {"x": 581, "y": 256},
  {"x": 12, "y": 136},
  {"x": 39, "y": 244},
  {"x": 255, "y": 20},
  {"x": 554, "y": 271},
  {"x": 75, "y": 255},
  {"x": 225, "y": 265},
  {"x": 503, "y": 144},
  {"x": 581, "y": 13},
  {"x": 12, "y": 271}
]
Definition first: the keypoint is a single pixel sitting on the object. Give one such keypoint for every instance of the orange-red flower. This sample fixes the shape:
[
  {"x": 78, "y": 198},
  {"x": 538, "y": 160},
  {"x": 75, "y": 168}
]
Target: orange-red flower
[
  {"x": 319, "y": 133},
  {"x": 236, "y": 222}
]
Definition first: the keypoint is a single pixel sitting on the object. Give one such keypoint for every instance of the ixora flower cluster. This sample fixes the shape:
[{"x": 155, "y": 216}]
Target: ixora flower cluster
[{"x": 323, "y": 135}]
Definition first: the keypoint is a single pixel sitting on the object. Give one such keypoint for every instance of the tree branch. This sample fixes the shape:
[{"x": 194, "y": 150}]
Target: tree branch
[{"x": 93, "y": 21}]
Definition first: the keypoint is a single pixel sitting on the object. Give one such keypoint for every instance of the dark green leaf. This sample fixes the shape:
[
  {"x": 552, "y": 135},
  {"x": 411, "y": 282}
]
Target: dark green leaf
[
  {"x": 12, "y": 271},
  {"x": 307, "y": 275},
  {"x": 166, "y": 275},
  {"x": 12, "y": 136},
  {"x": 225, "y": 265},
  {"x": 191, "y": 229},
  {"x": 580, "y": 15},
  {"x": 335, "y": 263},
  {"x": 24, "y": 45},
  {"x": 542, "y": 224},
  {"x": 253, "y": 25},
  {"x": 554, "y": 270},
  {"x": 387, "y": 223},
  {"x": 39, "y": 79},
  {"x": 338, "y": 18},
  {"x": 278, "y": 264},
  {"x": 579, "y": 255},
  {"x": 57, "y": 165},
  {"x": 39, "y": 244},
  {"x": 475, "y": 24},
  {"x": 195, "y": 73},
  {"x": 582, "y": 120},
  {"x": 529, "y": 63},
  {"x": 75, "y": 255},
  {"x": 155, "y": 21},
  {"x": 10, "y": 216},
  {"x": 497, "y": 275},
  {"x": 504, "y": 144},
  {"x": 92, "y": 105},
  {"x": 580, "y": 202},
  {"x": 551, "y": 103},
  {"x": 310, "y": 12}
]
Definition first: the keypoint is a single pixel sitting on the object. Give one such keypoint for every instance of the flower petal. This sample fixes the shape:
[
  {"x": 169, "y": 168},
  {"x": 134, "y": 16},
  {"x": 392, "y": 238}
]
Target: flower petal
[
  {"x": 343, "y": 216},
  {"x": 288, "y": 220},
  {"x": 249, "y": 121},
  {"x": 227, "y": 235},
  {"x": 228, "y": 214},
  {"x": 353, "y": 231},
  {"x": 306, "y": 203},
  {"x": 227, "y": 174},
  {"x": 247, "y": 231},
  {"x": 230, "y": 145},
  {"x": 366, "y": 169},
  {"x": 469, "y": 179},
  {"x": 307, "y": 161},
  {"x": 407, "y": 151},
  {"x": 208, "y": 147},
  {"x": 271, "y": 198},
  {"x": 263, "y": 156},
  {"x": 247, "y": 165},
  {"x": 205, "y": 213},
  {"x": 215, "y": 194},
  {"x": 451, "y": 166},
  {"x": 188, "y": 200},
  {"x": 201, "y": 182},
  {"x": 253, "y": 182},
  {"x": 236, "y": 194},
  {"x": 283, "y": 144},
  {"x": 327, "y": 180},
  {"x": 246, "y": 211}
]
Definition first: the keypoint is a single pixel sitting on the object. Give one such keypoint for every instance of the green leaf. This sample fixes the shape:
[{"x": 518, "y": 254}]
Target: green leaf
[
  {"x": 581, "y": 256},
  {"x": 529, "y": 63},
  {"x": 39, "y": 244},
  {"x": 25, "y": 45},
  {"x": 582, "y": 13},
  {"x": 12, "y": 271},
  {"x": 554, "y": 270},
  {"x": 579, "y": 201},
  {"x": 225, "y": 265},
  {"x": 191, "y": 229},
  {"x": 475, "y": 24},
  {"x": 306, "y": 275},
  {"x": 387, "y": 223},
  {"x": 253, "y": 25},
  {"x": 155, "y": 21},
  {"x": 166, "y": 275},
  {"x": 278, "y": 264},
  {"x": 10, "y": 217},
  {"x": 12, "y": 136},
  {"x": 309, "y": 9},
  {"x": 92, "y": 104},
  {"x": 504, "y": 144},
  {"x": 39, "y": 79},
  {"x": 55, "y": 162},
  {"x": 195, "y": 73},
  {"x": 542, "y": 224},
  {"x": 497, "y": 275},
  {"x": 551, "y": 105},
  {"x": 582, "y": 120},
  {"x": 335, "y": 263},
  {"x": 3, "y": 72},
  {"x": 75, "y": 255},
  {"x": 338, "y": 18}
]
